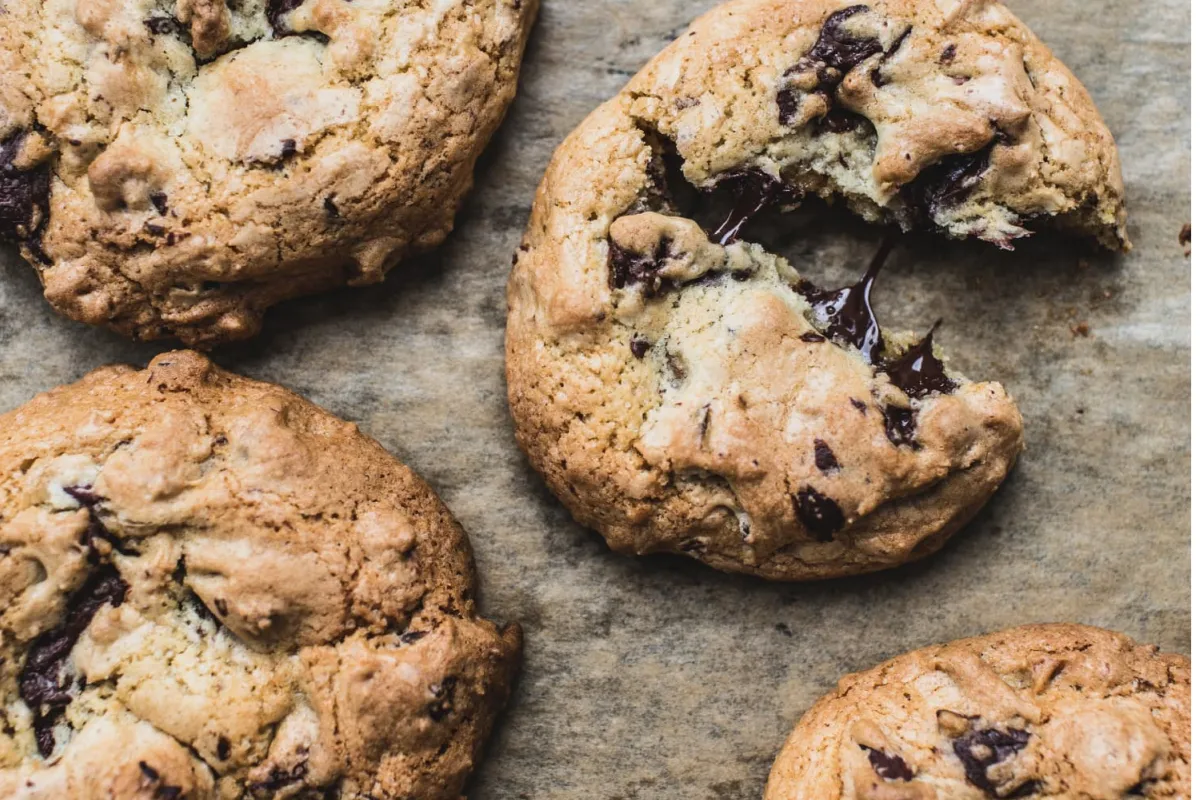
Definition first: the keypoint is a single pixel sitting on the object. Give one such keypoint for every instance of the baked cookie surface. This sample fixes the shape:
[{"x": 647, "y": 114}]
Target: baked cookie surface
[
  {"x": 210, "y": 588},
  {"x": 175, "y": 168},
  {"x": 683, "y": 389},
  {"x": 1043, "y": 711}
]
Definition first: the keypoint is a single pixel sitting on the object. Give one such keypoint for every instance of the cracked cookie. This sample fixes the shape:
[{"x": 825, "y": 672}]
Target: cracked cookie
[
  {"x": 210, "y": 588},
  {"x": 683, "y": 389},
  {"x": 1042, "y": 711},
  {"x": 941, "y": 114},
  {"x": 175, "y": 168}
]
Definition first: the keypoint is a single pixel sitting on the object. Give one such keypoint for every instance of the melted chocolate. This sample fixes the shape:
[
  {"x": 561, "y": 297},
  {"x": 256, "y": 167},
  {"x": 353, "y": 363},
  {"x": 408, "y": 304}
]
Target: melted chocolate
[
  {"x": 919, "y": 372},
  {"x": 999, "y": 746},
  {"x": 888, "y": 767},
  {"x": 846, "y": 314},
  {"x": 41, "y": 683},
  {"x": 948, "y": 182},
  {"x": 818, "y": 513},
  {"x": 753, "y": 192},
  {"x": 24, "y": 196},
  {"x": 835, "y": 53}
]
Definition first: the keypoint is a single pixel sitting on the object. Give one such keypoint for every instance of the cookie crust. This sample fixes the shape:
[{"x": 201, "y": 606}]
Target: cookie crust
[
  {"x": 1039, "y": 711},
  {"x": 175, "y": 168},
  {"x": 212, "y": 588}
]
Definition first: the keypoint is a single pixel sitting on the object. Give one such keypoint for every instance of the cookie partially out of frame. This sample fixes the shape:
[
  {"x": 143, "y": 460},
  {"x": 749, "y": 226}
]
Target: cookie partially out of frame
[
  {"x": 211, "y": 588},
  {"x": 175, "y": 167},
  {"x": 1043, "y": 711},
  {"x": 683, "y": 389}
]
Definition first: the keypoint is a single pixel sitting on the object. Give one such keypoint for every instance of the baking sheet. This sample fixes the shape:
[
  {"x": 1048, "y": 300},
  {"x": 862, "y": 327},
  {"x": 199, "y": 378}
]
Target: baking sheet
[{"x": 658, "y": 678}]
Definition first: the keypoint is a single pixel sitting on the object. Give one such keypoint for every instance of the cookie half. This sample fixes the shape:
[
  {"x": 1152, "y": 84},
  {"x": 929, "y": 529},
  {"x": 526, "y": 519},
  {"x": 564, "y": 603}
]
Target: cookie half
[
  {"x": 211, "y": 588},
  {"x": 1040, "y": 711},
  {"x": 941, "y": 114},
  {"x": 683, "y": 390},
  {"x": 173, "y": 168}
]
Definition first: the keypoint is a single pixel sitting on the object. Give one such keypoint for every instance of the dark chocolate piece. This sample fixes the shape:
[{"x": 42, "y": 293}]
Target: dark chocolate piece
[
  {"x": 888, "y": 767},
  {"x": 825, "y": 459},
  {"x": 24, "y": 196},
  {"x": 818, "y": 513},
  {"x": 980, "y": 750},
  {"x": 41, "y": 684},
  {"x": 834, "y": 54},
  {"x": 919, "y": 372},
  {"x": 900, "y": 424},
  {"x": 443, "y": 699},
  {"x": 639, "y": 347},
  {"x": 626, "y": 268},
  {"x": 948, "y": 182}
]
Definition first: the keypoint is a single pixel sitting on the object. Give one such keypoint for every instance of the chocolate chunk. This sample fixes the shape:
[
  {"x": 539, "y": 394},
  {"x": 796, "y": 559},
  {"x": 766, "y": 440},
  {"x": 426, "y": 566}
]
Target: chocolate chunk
[
  {"x": 276, "y": 10},
  {"x": 639, "y": 347},
  {"x": 900, "y": 424},
  {"x": 627, "y": 268},
  {"x": 812, "y": 337},
  {"x": 41, "y": 684},
  {"x": 890, "y": 768},
  {"x": 839, "y": 120},
  {"x": 753, "y": 192},
  {"x": 818, "y": 513},
  {"x": 288, "y": 148},
  {"x": 159, "y": 199},
  {"x": 877, "y": 77},
  {"x": 825, "y": 459},
  {"x": 834, "y": 54},
  {"x": 224, "y": 749},
  {"x": 163, "y": 26},
  {"x": 948, "y": 182},
  {"x": 980, "y": 750},
  {"x": 846, "y": 314},
  {"x": 24, "y": 196},
  {"x": 443, "y": 699},
  {"x": 919, "y": 372},
  {"x": 948, "y": 54},
  {"x": 280, "y": 777}
]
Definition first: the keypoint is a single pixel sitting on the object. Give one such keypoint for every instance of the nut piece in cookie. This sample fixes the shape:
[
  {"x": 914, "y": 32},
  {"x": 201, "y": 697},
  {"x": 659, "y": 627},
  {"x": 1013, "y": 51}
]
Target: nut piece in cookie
[
  {"x": 684, "y": 390},
  {"x": 173, "y": 169},
  {"x": 1043, "y": 711},
  {"x": 211, "y": 588}
]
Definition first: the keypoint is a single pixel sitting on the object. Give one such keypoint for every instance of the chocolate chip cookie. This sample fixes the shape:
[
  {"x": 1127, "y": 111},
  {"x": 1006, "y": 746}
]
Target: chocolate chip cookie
[
  {"x": 1042, "y": 711},
  {"x": 211, "y": 588},
  {"x": 683, "y": 389},
  {"x": 175, "y": 167}
]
